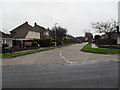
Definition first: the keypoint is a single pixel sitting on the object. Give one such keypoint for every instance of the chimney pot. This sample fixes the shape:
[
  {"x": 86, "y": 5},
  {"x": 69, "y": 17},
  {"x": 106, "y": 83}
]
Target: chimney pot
[
  {"x": 35, "y": 24},
  {"x": 26, "y": 22}
]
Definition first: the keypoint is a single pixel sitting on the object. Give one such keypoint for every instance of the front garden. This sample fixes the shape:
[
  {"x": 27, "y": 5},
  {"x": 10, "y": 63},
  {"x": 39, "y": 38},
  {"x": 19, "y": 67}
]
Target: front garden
[{"x": 88, "y": 48}]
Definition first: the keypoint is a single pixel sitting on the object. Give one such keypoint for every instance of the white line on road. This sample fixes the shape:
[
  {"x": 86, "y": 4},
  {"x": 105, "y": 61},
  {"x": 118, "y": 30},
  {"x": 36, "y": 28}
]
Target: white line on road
[{"x": 64, "y": 57}]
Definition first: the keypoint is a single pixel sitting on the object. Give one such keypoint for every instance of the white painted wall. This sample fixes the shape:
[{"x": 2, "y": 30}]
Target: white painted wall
[
  {"x": 6, "y": 40},
  {"x": 32, "y": 34},
  {"x": 118, "y": 40}
]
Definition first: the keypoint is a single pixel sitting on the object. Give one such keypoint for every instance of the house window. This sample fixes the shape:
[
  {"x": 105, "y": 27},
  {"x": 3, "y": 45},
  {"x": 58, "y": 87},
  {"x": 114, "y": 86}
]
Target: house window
[
  {"x": 4, "y": 40},
  {"x": 118, "y": 40},
  {"x": 46, "y": 33},
  {"x": 9, "y": 41},
  {"x": 0, "y": 42}
]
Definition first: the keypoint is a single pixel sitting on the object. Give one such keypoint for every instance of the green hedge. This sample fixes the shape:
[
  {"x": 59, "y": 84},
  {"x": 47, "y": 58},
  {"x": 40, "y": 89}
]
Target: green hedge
[{"x": 44, "y": 42}]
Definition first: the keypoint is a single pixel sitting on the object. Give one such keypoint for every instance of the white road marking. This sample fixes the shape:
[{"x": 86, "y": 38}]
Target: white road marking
[{"x": 64, "y": 57}]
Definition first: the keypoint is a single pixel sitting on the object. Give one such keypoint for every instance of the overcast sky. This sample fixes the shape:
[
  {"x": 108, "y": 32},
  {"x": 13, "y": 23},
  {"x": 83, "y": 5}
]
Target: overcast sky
[{"x": 74, "y": 16}]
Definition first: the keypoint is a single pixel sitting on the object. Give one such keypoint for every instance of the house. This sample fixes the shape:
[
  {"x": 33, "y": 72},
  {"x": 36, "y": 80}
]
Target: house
[
  {"x": 88, "y": 36},
  {"x": 82, "y": 39},
  {"x": 44, "y": 33},
  {"x": 116, "y": 36},
  {"x": 113, "y": 35},
  {"x": 5, "y": 38},
  {"x": 27, "y": 32}
]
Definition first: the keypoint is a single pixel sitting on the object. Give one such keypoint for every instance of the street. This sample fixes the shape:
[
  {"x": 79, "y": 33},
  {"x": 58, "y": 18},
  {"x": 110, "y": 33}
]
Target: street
[
  {"x": 65, "y": 67},
  {"x": 59, "y": 55}
]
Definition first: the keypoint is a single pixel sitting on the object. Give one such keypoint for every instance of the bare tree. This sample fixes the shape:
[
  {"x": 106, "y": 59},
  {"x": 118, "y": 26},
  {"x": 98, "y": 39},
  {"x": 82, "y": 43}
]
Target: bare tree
[
  {"x": 58, "y": 33},
  {"x": 106, "y": 27}
]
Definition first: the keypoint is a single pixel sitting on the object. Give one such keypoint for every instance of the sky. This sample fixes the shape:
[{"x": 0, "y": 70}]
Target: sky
[{"x": 76, "y": 16}]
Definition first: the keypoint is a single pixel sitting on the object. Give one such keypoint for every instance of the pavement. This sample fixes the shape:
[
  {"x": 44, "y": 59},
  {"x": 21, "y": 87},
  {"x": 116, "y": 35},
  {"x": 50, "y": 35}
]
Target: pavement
[
  {"x": 65, "y": 67},
  {"x": 65, "y": 54},
  {"x": 94, "y": 46}
]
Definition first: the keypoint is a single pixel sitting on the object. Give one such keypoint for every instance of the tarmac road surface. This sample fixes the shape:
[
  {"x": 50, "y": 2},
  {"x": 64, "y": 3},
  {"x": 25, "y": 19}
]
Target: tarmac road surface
[
  {"x": 59, "y": 55},
  {"x": 75, "y": 75},
  {"x": 65, "y": 67}
]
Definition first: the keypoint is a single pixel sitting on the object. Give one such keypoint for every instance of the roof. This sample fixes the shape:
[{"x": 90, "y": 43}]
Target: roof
[
  {"x": 22, "y": 30},
  {"x": 38, "y": 28},
  {"x": 3, "y": 35}
]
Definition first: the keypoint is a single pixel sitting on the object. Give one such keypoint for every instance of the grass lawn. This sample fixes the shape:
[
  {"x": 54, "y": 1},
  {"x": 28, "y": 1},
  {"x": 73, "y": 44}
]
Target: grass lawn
[
  {"x": 23, "y": 53},
  {"x": 111, "y": 45},
  {"x": 88, "y": 48}
]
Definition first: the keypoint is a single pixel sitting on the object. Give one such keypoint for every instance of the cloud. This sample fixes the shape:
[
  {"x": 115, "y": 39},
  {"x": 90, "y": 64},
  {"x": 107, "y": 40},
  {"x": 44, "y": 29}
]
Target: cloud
[{"x": 75, "y": 16}]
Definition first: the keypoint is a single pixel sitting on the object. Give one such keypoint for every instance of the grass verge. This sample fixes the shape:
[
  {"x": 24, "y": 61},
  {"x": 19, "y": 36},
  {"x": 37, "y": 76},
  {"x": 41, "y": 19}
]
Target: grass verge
[
  {"x": 23, "y": 53},
  {"x": 15, "y": 54},
  {"x": 88, "y": 48}
]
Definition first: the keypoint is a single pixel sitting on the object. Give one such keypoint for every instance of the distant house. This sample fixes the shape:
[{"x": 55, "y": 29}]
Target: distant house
[
  {"x": 82, "y": 39},
  {"x": 5, "y": 38},
  {"x": 88, "y": 36},
  {"x": 27, "y": 32},
  {"x": 114, "y": 36}
]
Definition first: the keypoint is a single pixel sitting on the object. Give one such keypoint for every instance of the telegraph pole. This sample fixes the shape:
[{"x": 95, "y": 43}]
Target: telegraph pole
[{"x": 55, "y": 34}]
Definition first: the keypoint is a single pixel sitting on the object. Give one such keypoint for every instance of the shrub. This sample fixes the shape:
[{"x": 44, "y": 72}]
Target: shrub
[{"x": 43, "y": 42}]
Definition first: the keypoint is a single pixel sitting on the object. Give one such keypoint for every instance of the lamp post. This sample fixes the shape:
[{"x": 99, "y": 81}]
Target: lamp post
[{"x": 55, "y": 34}]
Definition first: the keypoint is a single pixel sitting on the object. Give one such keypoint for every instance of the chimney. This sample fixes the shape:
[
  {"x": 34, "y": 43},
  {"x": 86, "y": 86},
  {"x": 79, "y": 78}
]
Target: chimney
[
  {"x": 35, "y": 24},
  {"x": 26, "y": 22}
]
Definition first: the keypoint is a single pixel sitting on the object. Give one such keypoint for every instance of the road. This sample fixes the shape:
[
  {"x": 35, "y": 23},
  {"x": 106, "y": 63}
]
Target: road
[
  {"x": 59, "y": 55},
  {"x": 65, "y": 67}
]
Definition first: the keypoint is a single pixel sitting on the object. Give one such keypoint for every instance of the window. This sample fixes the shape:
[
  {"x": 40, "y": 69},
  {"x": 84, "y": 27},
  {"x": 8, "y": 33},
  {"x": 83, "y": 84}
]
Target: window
[{"x": 46, "y": 33}]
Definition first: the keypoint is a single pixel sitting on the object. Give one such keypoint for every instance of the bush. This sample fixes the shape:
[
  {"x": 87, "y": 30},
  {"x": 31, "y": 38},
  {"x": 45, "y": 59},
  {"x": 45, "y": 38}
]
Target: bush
[
  {"x": 43, "y": 42},
  {"x": 106, "y": 42},
  {"x": 34, "y": 44},
  {"x": 52, "y": 44}
]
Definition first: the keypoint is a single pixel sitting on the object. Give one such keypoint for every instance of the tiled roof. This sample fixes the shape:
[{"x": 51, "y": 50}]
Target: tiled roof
[
  {"x": 3, "y": 35},
  {"x": 22, "y": 30}
]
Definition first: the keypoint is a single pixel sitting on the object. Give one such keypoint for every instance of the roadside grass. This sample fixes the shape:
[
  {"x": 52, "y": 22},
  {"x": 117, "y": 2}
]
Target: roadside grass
[
  {"x": 111, "y": 45},
  {"x": 23, "y": 53},
  {"x": 15, "y": 54},
  {"x": 88, "y": 48}
]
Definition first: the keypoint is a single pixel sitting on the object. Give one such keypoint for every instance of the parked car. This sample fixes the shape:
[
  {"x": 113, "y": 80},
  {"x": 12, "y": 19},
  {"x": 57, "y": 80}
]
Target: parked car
[
  {"x": 27, "y": 44},
  {"x": 93, "y": 41}
]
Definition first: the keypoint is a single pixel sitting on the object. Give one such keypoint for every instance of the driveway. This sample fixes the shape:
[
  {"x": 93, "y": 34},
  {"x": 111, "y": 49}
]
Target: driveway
[{"x": 59, "y": 55}]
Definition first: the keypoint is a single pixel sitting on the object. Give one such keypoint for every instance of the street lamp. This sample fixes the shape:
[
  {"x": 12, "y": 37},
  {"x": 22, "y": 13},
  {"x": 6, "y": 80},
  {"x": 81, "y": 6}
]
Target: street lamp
[{"x": 55, "y": 34}]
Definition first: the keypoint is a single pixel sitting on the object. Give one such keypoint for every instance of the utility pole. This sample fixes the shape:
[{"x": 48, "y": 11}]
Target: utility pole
[{"x": 55, "y": 34}]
